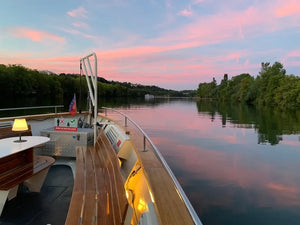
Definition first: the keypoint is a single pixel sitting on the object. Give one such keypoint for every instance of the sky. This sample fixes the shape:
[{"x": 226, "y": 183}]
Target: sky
[{"x": 174, "y": 44}]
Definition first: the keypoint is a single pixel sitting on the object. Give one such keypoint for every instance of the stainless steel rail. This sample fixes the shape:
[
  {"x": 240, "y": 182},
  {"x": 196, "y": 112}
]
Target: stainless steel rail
[
  {"x": 163, "y": 161},
  {"x": 93, "y": 89},
  {"x": 34, "y": 107}
]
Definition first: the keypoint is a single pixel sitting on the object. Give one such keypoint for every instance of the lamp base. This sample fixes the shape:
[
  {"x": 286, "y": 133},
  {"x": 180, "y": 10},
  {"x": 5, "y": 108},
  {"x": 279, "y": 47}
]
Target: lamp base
[{"x": 18, "y": 141}]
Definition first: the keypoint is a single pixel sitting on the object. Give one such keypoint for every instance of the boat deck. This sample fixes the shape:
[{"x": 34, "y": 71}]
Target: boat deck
[{"x": 50, "y": 206}]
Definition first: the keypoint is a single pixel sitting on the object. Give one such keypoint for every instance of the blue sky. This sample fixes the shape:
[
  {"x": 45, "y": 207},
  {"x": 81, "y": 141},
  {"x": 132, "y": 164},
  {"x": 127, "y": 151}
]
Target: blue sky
[{"x": 172, "y": 44}]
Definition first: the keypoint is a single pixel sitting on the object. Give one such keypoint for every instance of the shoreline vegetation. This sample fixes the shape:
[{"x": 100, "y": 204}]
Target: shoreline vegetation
[
  {"x": 17, "y": 81},
  {"x": 271, "y": 87}
]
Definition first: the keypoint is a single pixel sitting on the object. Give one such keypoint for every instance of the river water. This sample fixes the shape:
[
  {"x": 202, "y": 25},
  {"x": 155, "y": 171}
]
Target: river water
[{"x": 237, "y": 164}]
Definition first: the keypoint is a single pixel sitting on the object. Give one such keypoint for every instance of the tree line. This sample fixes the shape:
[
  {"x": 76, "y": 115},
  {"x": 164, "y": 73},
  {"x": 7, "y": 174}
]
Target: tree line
[
  {"x": 271, "y": 87},
  {"x": 19, "y": 81}
]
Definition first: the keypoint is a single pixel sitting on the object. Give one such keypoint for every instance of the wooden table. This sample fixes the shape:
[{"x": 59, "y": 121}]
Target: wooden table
[{"x": 18, "y": 164}]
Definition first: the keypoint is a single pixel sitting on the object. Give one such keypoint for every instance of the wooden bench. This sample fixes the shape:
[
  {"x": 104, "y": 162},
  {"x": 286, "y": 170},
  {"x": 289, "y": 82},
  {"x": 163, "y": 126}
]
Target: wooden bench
[
  {"x": 22, "y": 167},
  {"x": 98, "y": 193}
]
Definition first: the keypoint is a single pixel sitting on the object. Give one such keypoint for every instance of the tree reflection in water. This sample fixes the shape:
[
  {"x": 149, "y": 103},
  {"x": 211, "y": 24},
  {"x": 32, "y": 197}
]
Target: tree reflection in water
[{"x": 269, "y": 123}]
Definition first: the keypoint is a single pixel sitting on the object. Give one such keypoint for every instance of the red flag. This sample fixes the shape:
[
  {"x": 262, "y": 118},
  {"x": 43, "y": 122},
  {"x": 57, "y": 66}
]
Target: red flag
[{"x": 72, "y": 108}]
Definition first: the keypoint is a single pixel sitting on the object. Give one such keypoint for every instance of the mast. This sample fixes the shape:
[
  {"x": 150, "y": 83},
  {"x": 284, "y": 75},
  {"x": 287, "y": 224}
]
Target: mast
[{"x": 85, "y": 61}]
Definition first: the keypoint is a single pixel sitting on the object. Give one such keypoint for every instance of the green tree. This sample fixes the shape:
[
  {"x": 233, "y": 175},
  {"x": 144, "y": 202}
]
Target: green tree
[
  {"x": 271, "y": 87},
  {"x": 269, "y": 80}
]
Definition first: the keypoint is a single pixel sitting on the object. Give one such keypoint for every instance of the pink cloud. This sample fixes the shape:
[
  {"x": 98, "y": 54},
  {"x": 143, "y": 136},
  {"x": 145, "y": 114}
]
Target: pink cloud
[
  {"x": 295, "y": 53},
  {"x": 185, "y": 12},
  {"x": 227, "y": 26},
  {"x": 288, "y": 8},
  {"x": 146, "y": 65},
  {"x": 291, "y": 58},
  {"x": 79, "y": 12},
  {"x": 188, "y": 12},
  {"x": 80, "y": 25},
  {"x": 77, "y": 32},
  {"x": 41, "y": 62},
  {"x": 35, "y": 35},
  {"x": 236, "y": 56},
  {"x": 140, "y": 53},
  {"x": 195, "y": 2},
  {"x": 136, "y": 65}
]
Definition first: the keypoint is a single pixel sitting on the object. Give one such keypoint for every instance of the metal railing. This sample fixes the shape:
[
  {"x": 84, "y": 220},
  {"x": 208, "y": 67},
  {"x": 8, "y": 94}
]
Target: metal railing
[
  {"x": 163, "y": 161},
  {"x": 93, "y": 89},
  {"x": 34, "y": 107}
]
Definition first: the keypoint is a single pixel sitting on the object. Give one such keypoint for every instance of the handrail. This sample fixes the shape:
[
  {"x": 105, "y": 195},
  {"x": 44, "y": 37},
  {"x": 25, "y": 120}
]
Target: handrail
[
  {"x": 34, "y": 107},
  {"x": 92, "y": 89},
  {"x": 165, "y": 164}
]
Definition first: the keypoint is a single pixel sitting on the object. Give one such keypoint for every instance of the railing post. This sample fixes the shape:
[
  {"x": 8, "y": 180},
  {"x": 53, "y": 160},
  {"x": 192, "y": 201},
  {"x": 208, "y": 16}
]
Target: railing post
[
  {"x": 144, "y": 149},
  {"x": 125, "y": 121}
]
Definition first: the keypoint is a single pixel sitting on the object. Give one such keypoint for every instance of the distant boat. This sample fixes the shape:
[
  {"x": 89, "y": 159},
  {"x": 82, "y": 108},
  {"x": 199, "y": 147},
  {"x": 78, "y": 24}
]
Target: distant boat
[{"x": 148, "y": 97}]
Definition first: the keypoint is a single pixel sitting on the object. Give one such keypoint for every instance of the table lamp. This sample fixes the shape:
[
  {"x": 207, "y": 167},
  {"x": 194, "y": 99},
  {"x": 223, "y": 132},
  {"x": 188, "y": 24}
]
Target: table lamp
[{"x": 19, "y": 126}]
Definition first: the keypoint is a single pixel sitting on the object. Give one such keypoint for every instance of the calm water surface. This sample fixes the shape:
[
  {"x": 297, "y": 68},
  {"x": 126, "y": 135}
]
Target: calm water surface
[{"x": 237, "y": 165}]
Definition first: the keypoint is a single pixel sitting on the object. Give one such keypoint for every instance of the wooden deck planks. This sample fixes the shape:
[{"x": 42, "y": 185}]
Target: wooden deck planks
[
  {"x": 100, "y": 186},
  {"x": 74, "y": 213},
  {"x": 171, "y": 209},
  {"x": 99, "y": 183},
  {"x": 89, "y": 211},
  {"x": 105, "y": 201},
  {"x": 115, "y": 186}
]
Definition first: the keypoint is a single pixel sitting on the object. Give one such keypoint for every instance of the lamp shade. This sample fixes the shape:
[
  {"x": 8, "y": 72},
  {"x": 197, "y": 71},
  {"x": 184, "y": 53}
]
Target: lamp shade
[{"x": 20, "y": 125}]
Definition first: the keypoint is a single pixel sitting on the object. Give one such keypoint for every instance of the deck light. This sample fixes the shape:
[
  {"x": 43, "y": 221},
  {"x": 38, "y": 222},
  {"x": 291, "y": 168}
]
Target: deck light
[{"x": 19, "y": 126}]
